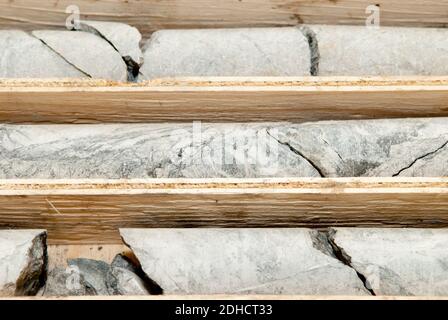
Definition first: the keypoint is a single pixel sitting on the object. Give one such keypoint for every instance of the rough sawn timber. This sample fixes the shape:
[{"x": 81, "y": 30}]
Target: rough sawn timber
[
  {"x": 151, "y": 15},
  {"x": 222, "y": 99},
  {"x": 91, "y": 211}
]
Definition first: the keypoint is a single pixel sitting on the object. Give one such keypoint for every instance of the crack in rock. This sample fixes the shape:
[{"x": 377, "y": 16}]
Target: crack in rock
[
  {"x": 324, "y": 241},
  {"x": 309, "y": 34},
  {"x": 60, "y": 55},
  {"x": 360, "y": 51},
  {"x": 124, "y": 272},
  {"x": 299, "y": 153},
  {"x": 24, "y": 56},
  {"x": 88, "y": 52},
  {"x": 334, "y": 150},
  {"x": 94, "y": 27},
  {"x": 251, "y": 261},
  {"x": 33, "y": 275},
  {"x": 420, "y": 158},
  {"x": 152, "y": 286}
]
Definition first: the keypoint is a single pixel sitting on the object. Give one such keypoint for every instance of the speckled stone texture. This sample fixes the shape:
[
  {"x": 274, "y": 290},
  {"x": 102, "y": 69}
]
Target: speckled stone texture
[
  {"x": 91, "y": 54},
  {"x": 227, "y": 52},
  {"x": 24, "y": 56},
  {"x": 124, "y": 278},
  {"x": 240, "y": 261},
  {"x": 23, "y": 261},
  {"x": 400, "y": 147},
  {"x": 398, "y": 261},
  {"x": 386, "y": 51},
  {"x": 144, "y": 151},
  {"x": 65, "y": 282},
  {"x": 93, "y": 272},
  {"x": 124, "y": 38},
  {"x": 94, "y": 277},
  {"x": 111, "y": 50},
  {"x": 384, "y": 148}
]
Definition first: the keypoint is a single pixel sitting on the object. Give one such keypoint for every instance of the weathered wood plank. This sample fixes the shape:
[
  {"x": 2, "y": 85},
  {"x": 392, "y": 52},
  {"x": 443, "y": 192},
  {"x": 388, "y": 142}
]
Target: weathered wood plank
[
  {"x": 150, "y": 15},
  {"x": 91, "y": 212},
  {"x": 223, "y": 100}
]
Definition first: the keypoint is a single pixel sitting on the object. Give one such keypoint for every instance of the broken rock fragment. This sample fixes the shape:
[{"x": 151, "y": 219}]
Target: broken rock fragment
[
  {"x": 124, "y": 279},
  {"x": 94, "y": 273},
  {"x": 397, "y": 261},
  {"x": 124, "y": 38},
  {"x": 24, "y": 56},
  {"x": 383, "y": 51},
  {"x": 23, "y": 261},
  {"x": 66, "y": 282},
  {"x": 227, "y": 52},
  {"x": 89, "y": 53},
  {"x": 240, "y": 261}
]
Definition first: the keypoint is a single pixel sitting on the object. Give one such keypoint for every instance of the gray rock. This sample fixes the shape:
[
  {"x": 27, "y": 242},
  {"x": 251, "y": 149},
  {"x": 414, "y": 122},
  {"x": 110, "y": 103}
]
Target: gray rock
[
  {"x": 139, "y": 151},
  {"x": 240, "y": 261},
  {"x": 94, "y": 273},
  {"x": 227, "y": 52},
  {"x": 66, "y": 282},
  {"x": 23, "y": 261},
  {"x": 123, "y": 278},
  {"x": 89, "y": 53},
  {"x": 433, "y": 163},
  {"x": 124, "y": 38},
  {"x": 398, "y": 261},
  {"x": 387, "y": 51},
  {"x": 408, "y": 147},
  {"x": 399, "y": 147},
  {"x": 24, "y": 56}
]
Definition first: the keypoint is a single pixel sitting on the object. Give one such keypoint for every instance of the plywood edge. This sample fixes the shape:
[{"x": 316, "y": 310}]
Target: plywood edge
[
  {"x": 91, "y": 212},
  {"x": 223, "y": 185},
  {"x": 223, "y": 82},
  {"x": 221, "y": 100}
]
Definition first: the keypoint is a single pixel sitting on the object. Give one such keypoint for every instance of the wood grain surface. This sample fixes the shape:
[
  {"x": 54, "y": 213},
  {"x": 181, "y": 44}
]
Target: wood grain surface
[
  {"x": 150, "y": 15},
  {"x": 90, "y": 212},
  {"x": 223, "y": 100}
]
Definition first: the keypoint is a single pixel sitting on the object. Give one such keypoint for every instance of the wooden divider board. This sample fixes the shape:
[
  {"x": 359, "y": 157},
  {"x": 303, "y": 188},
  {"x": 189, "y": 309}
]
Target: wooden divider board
[
  {"x": 151, "y": 15},
  {"x": 91, "y": 211},
  {"x": 222, "y": 99}
]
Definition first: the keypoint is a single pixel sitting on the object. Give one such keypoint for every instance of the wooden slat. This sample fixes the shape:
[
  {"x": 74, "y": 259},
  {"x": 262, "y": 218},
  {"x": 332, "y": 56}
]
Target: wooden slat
[
  {"x": 91, "y": 211},
  {"x": 150, "y": 15},
  {"x": 223, "y": 100}
]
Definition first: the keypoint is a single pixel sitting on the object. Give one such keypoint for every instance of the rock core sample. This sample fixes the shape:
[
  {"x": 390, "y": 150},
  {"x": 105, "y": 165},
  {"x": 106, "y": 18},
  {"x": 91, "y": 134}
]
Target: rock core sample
[
  {"x": 240, "y": 261},
  {"x": 23, "y": 261},
  {"x": 383, "y": 51},
  {"x": 227, "y": 52}
]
